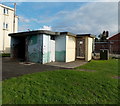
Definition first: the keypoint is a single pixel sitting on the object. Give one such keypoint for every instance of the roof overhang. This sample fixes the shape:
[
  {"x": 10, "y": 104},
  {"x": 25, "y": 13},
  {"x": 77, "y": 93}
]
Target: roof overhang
[
  {"x": 37, "y": 32},
  {"x": 83, "y": 35},
  {"x": 29, "y": 33},
  {"x": 67, "y": 33}
]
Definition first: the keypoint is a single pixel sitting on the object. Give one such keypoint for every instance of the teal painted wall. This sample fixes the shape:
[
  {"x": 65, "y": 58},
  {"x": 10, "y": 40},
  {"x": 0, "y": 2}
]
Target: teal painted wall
[
  {"x": 35, "y": 48},
  {"x": 60, "y": 56},
  {"x": 60, "y": 48},
  {"x": 39, "y": 48},
  {"x": 34, "y": 57}
]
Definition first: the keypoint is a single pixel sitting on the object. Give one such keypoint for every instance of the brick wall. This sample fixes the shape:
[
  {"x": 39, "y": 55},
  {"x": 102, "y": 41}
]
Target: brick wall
[{"x": 113, "y": 45}]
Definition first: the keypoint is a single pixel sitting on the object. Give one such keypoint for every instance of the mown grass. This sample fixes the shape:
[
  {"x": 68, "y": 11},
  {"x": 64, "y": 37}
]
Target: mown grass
[{"x": 66, "y": 86}]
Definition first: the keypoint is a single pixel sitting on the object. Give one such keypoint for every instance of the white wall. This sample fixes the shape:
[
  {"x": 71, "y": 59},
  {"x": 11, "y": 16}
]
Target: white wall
[
  {"x": 52, "y": 50},
  {"x": 7, "y": 18},
  {"x": 88, "y": 51},
  {"x": 46, "y": 48},
  {"x": 70, "y": 48}
]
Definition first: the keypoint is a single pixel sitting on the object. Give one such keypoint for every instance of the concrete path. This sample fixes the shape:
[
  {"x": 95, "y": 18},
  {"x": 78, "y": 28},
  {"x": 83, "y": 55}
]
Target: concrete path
[{"x": 69, "y": 65}]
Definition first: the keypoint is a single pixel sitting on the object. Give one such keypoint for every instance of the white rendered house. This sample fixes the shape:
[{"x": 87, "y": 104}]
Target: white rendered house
[{"x": 8, "y": 24}]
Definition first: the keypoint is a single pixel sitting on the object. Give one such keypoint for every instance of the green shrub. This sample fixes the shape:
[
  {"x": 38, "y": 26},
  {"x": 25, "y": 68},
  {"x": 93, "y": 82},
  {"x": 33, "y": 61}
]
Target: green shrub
[{"x": 5, "y": 54}]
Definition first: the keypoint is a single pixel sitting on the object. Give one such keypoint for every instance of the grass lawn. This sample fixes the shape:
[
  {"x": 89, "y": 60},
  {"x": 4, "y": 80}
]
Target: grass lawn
[{"x": 66, "y": 86}]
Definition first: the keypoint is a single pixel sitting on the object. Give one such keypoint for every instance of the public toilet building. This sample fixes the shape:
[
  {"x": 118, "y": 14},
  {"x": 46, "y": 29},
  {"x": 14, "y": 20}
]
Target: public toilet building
[{"x": 43, "y": 46}]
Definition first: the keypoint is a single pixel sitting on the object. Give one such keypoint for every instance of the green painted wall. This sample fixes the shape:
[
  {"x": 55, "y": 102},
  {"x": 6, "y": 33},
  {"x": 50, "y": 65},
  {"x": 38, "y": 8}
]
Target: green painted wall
[
  {"x": 35, "y": 48},
  {"x": 60, "y": 56},
  {"x": 33, "y": 40},
  {"x": 34, "y": 57}
]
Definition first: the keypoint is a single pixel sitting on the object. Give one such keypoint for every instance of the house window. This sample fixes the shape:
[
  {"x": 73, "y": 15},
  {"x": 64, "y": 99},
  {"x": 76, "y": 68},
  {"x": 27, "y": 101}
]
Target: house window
[
  {"x": 5, "y": 25},
  {"x": 5, "y": 11}
]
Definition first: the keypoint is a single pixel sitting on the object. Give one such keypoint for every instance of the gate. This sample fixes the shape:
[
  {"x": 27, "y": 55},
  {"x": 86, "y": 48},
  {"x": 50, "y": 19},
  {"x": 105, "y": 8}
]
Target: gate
[{"x": 80, "y": 52}]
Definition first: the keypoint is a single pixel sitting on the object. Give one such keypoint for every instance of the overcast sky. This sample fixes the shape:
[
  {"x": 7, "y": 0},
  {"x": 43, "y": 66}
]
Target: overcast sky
[{"x": 75, "y": 17}]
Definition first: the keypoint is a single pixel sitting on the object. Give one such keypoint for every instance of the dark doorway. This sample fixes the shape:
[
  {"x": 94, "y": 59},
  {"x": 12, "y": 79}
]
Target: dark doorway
[
  {"x": 19, "y": 48},
  {"x": 80, "y": 52}
]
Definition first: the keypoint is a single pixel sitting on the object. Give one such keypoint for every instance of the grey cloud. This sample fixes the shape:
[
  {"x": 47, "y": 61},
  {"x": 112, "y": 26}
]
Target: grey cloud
[
  {"x": 119, "y": 16},
  {"x": 82, "y": 0},
  {"x": 91, "y": 18}
]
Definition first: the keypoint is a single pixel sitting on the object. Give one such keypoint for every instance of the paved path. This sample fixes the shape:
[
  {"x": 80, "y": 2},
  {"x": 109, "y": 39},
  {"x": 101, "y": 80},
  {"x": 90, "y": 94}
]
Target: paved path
[
  {"x": 69, "y": 65},
  {"x": 12, "y": 68}
]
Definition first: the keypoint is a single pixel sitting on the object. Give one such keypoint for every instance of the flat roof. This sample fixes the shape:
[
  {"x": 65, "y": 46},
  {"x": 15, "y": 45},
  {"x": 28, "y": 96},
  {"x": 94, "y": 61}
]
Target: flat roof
[
  {"x": 68, "y": 33},
  {"x": 28, "y": 33},
  {"x": 81, "y": 35},
  {"x": 47, "y": 32}
]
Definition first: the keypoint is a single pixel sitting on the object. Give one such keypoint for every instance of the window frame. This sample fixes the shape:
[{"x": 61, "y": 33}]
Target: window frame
[
  {"x": 5, "y": 11},
  {"x": 5, "y": 26}
]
